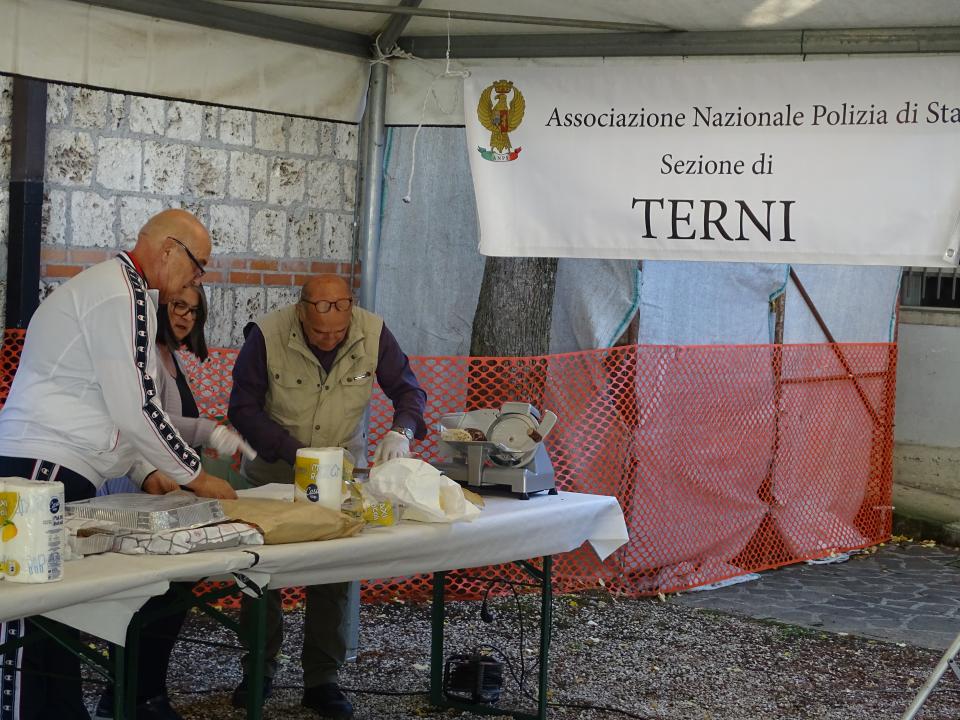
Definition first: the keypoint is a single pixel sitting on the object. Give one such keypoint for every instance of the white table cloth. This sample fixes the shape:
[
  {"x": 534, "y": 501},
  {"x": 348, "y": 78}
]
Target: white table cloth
[
  {"x": 100, "y": 593},
  {"x": 508, "y": 529}
]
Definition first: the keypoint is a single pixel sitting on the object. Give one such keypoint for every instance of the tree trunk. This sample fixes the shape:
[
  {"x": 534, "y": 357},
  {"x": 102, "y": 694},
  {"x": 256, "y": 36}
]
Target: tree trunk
[
  {"x": 512, "y": 320},
  {"x": 515, "y": 307}
]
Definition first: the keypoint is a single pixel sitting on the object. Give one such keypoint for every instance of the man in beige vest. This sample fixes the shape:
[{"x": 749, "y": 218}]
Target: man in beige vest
[{"x": 304, "y": 378}]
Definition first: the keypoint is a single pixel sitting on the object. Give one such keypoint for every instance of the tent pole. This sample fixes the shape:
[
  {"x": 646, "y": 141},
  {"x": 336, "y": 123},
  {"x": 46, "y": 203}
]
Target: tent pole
[{"x": 372, "y": 184}]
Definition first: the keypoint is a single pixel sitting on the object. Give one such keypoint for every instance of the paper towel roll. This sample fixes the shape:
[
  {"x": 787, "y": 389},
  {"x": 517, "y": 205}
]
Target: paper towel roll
[
  {"x": 318, "y": 474},
  {"x": 32, "y": 535}
]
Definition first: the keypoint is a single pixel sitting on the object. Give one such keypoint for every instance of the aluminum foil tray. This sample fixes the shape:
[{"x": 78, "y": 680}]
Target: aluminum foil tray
[
  {"x": 150, "y": 513},
  {"x": 91, "y": 544}
]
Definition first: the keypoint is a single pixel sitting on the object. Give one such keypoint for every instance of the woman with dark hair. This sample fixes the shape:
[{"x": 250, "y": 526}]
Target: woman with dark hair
[{"x": 180, "y": 326}]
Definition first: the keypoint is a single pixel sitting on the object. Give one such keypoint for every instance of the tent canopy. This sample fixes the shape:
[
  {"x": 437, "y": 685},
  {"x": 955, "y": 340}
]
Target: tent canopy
[
  {"x": 561, "y": 28},
  {"x": 312, "y": 57}
]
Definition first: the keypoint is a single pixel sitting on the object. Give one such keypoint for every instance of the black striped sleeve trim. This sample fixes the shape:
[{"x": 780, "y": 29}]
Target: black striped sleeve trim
[{"x": 180, "y": 450}]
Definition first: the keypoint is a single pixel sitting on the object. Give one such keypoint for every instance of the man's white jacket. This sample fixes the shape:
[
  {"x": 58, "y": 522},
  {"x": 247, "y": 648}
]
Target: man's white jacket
[{"x": 84, "y": 394}]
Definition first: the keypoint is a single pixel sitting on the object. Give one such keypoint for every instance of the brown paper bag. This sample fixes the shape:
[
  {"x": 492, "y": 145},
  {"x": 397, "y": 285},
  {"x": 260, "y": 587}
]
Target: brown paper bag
[{"x": 290, "y": 522}]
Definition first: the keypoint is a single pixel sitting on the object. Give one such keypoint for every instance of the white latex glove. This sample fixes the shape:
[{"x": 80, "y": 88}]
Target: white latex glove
[
  {"x": 226, "y": 442},
  {"x": 393, "y": 445}
]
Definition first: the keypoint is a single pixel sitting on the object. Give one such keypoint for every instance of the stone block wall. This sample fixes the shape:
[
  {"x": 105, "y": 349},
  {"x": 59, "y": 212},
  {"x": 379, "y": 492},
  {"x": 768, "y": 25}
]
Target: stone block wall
[{"x": 276, "y": 192}]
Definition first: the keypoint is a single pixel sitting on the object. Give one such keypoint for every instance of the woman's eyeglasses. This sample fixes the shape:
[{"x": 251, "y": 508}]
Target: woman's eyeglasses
[
  {"x": 323, "y": 306},
  {"x": 183, "y": 309}
]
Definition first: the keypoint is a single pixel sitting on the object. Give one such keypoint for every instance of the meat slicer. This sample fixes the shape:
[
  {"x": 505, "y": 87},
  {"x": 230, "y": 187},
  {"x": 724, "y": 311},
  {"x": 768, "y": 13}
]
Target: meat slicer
[{"x": 505, "y": 449}]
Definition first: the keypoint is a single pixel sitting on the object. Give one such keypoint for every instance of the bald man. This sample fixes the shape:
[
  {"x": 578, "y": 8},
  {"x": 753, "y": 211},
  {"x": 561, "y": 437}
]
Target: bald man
[
  {"x": 83, "y": 408},
  {"x": 303, "y": 378}
]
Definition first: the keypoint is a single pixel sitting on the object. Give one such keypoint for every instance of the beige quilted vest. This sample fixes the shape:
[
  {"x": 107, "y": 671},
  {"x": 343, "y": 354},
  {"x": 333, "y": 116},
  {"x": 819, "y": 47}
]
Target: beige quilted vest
[{"x": 317, "y": 408}]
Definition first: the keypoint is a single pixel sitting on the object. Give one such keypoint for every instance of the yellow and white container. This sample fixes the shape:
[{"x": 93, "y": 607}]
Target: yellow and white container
[
  {"x": 32, "y": 533},
  {"x": 318, "y": 476}
]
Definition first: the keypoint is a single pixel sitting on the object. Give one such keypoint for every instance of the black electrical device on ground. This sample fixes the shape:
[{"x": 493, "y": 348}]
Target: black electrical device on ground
[{"x": 474, "y": 678}]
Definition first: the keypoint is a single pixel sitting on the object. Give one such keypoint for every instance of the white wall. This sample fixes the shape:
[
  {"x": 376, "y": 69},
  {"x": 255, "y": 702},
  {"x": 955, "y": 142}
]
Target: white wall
[
  {"x": 928, "y": 379},
  {"x": 926, "y": 452}
]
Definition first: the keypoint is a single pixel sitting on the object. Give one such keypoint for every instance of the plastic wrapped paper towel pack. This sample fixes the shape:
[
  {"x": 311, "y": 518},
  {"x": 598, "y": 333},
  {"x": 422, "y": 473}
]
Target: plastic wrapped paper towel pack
[
  {"x": 425, "y": 493},
  {"x": 318, "y": 476},
  {"x": 31, "y": 530}
]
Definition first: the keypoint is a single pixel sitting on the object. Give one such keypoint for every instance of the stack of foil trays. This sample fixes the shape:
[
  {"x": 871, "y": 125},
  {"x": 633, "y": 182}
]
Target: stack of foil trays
[{"x": 150, "y": 513}]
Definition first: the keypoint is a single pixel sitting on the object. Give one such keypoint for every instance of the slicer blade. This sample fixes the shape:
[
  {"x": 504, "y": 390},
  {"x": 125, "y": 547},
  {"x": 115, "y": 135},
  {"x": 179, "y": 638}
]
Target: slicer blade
[{"x": 510, "y": 433}]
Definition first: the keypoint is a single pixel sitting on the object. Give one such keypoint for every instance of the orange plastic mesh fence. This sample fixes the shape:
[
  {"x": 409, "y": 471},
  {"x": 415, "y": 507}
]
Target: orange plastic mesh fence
[
  {"x": 9, "y": 359},
  {"x": 725, "y": 459}
]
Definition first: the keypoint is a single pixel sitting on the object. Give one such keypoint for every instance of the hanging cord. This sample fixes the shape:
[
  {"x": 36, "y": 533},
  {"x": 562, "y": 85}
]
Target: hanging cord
[{"x": 447, "y": 72}]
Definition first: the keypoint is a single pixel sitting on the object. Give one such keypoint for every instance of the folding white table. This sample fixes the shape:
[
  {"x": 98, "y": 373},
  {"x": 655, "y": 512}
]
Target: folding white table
[{"x": 100, "y": 594}]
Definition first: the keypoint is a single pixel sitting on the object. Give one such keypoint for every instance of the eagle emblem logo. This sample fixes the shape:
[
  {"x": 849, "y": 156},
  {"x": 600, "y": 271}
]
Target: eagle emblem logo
[{"x": 500, "y": 118}]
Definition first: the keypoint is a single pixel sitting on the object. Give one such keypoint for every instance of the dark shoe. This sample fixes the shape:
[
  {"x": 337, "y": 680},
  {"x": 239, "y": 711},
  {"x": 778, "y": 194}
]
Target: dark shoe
[
  {"x": 328, "y": 700},
  {"x": 157, "y": 708},
  {"x": 241, "y": 693}
]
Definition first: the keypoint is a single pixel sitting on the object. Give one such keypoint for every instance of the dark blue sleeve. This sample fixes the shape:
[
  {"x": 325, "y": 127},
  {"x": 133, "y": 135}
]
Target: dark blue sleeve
[
  {"x": 400, "y": 385},
  {"x": 248, "y": 400}
]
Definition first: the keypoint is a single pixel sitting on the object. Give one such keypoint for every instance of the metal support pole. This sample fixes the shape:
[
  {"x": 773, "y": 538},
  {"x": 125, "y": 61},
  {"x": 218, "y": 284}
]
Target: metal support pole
[
  {"x": 372, "y": 186},
  {"x": 27, "y": 154},
  {"x": 257, "y": 658},
  {"x": 120, "y": 711},
  {"x": 371, "y": 190},
  {"x": 125, "y": 689},
  {"x": 546, "y": 629},
  {"x": 352, "y": 621},
  {"x": 934, "y": 678},
  {"x": 437, "y": 612}
]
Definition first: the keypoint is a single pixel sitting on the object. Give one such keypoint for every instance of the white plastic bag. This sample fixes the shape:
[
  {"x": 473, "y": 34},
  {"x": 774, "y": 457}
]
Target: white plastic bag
[{"x": 425, "y": 493}]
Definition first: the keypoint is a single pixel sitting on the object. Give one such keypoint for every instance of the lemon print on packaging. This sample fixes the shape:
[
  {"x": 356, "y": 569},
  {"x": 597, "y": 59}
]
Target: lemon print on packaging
[
  {"x": 8, "y": 504},
  {"x": 11, "y": 567},
  {"x": 8, "y": 531}
]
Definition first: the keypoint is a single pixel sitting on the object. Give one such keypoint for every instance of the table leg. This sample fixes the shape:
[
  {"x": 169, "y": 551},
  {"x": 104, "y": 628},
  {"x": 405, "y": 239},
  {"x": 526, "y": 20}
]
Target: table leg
[
  {"x": 546, "y": 630},
  {"x": 257, "y": 659},
  {"x": 125, "y": 688},
  {"x": 119, "y": 658},
  {"x": 437, "y": 614}
]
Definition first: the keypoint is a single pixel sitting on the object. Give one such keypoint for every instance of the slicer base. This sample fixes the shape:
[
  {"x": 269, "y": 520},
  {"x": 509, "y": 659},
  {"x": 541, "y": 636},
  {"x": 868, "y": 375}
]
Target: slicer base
[{"x": 520, "y": 481}]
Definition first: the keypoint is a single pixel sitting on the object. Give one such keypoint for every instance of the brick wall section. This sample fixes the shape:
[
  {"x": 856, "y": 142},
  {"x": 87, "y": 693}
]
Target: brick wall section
[
  {"x": 6, "y": 97},
  {"x": 60, "y": 263},
  {"x": 276, "y": 192}
]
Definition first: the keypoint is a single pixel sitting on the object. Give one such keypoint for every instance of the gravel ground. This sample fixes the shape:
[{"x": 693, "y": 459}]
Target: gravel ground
[{"x": 642, "y": 658}]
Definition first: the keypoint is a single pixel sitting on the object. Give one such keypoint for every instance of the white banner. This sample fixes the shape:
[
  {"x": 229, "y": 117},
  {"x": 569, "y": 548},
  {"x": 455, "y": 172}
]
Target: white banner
[{"x": 853, "y": 160}]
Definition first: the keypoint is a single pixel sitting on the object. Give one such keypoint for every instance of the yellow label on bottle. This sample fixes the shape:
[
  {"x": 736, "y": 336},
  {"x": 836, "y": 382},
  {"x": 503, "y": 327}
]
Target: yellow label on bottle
[{"x": 380, "y": 513}]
